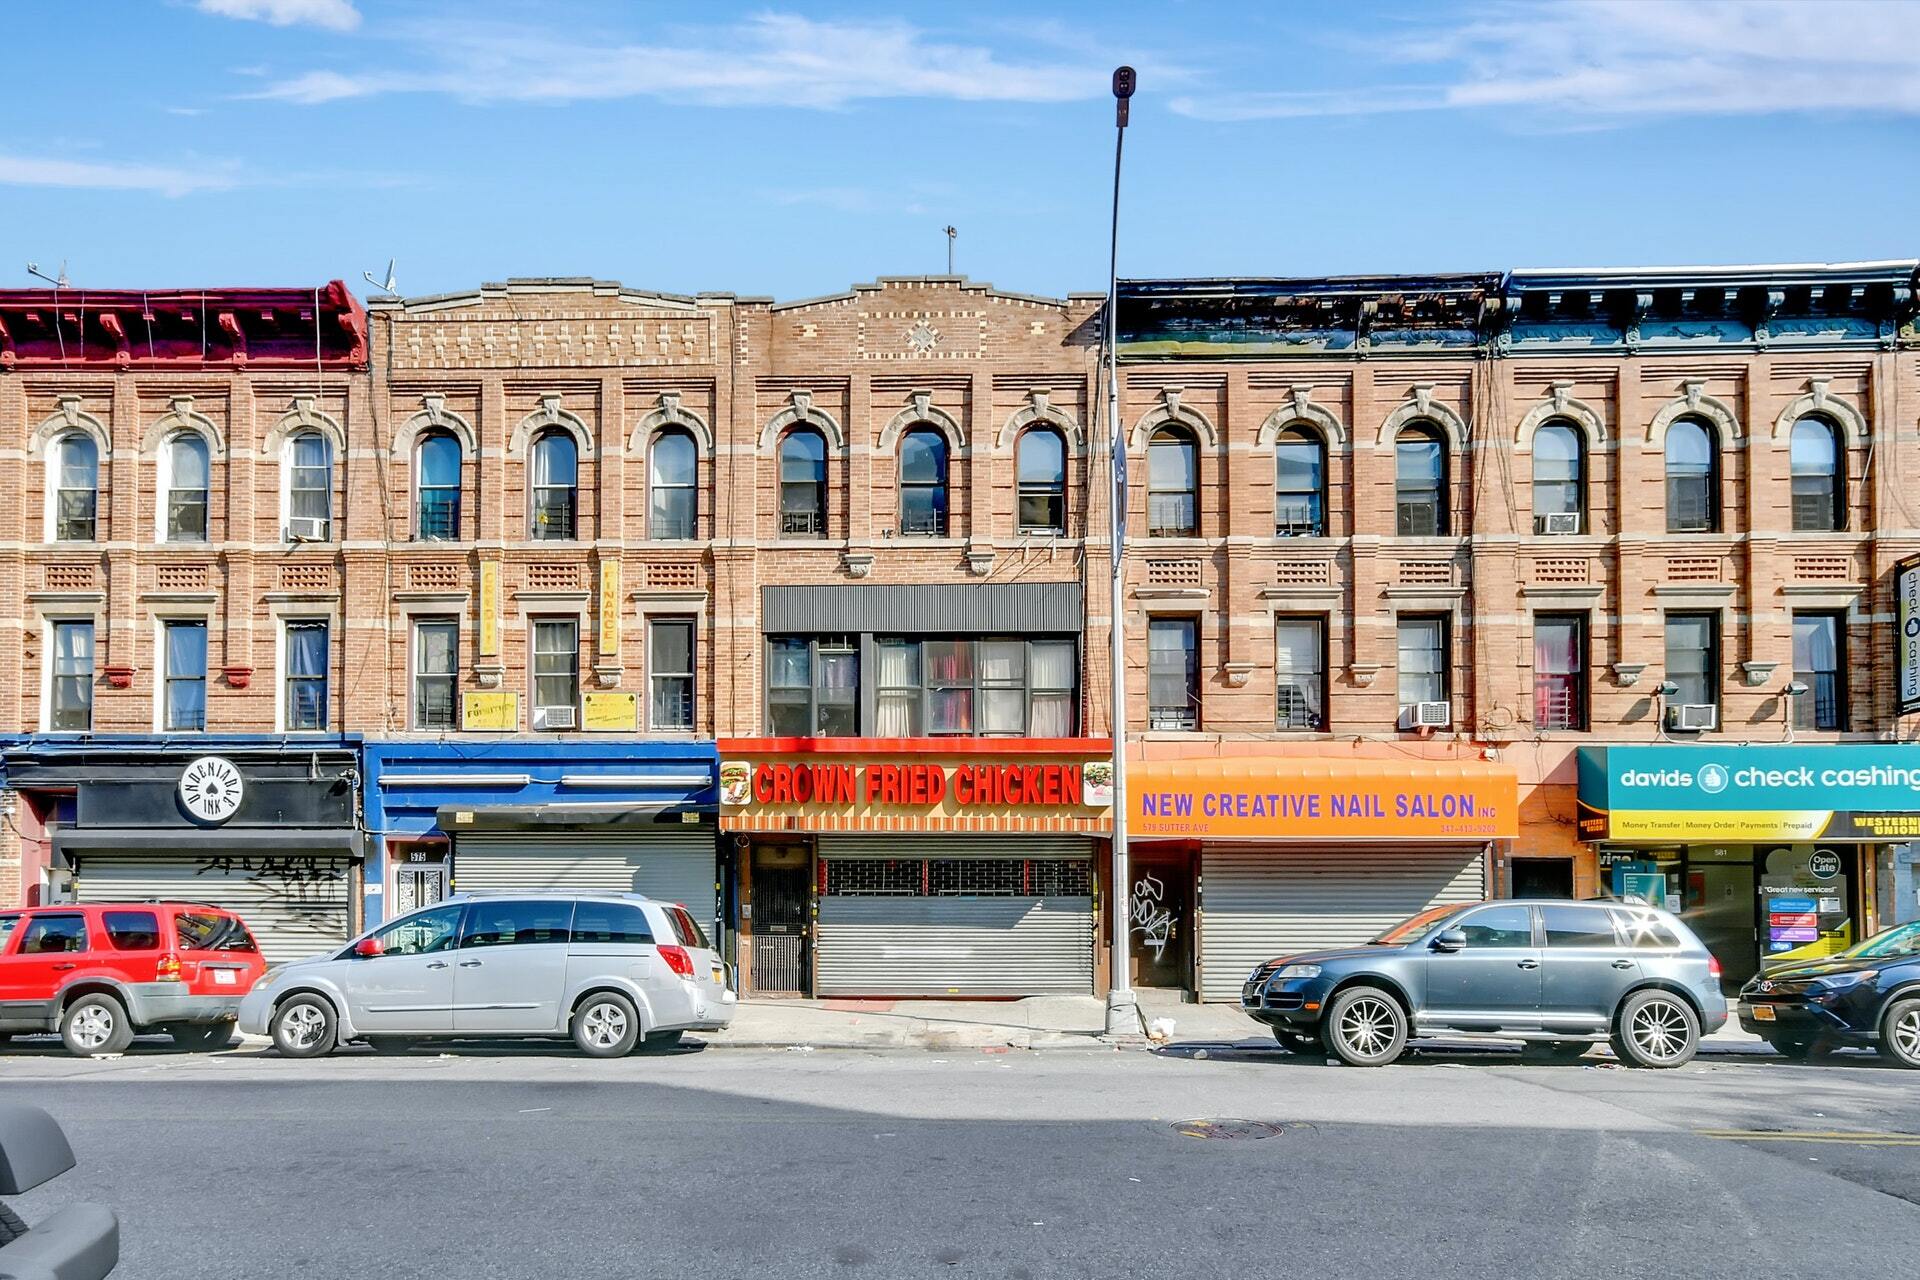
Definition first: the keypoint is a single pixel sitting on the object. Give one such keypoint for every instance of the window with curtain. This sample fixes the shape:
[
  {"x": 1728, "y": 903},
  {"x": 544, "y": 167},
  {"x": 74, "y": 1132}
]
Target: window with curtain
[
  {"x": 1559, "y": 671},
  {"x": 189, "y": 473},
  {"x": 184, "y": 689},
  {"x": 1420, "y": 482},
  {"x": 556, "y": 667},
  {"x": 923, "y": 484},
  {"x": 1299, "y": 485},
  {"x": 306, "y": 676},
  {"x": 76, "y": 494},
  {"x": 1053, "y": 689},
  {"x": 1559, "y": 478},
  {"x": 896, "y": 708},
  {"x": 803, "y": 484},
  {"x": 813, "y": 687},
  {"x": 1042, "y": 466},
  {"x": 1693, "y": 658},
  {"x": 1173, "y": 477},
  {"x": 1693, "y": 478},
  {"x": 1819, "y": 487},
  {"x": 1300, "y": 673},
  {"x": 437, "y": 487},
  {"x": 670, "y": 674},
  {"x": 436, "y": 663},
  {"x": 673, "y": 478},
  {"x": 1173, "y": 674},
  {"x": 949, "y": 669},
  {"x": 990, "y": 686},
  {"x": 71, "y": 685},
  {"x": 310, "y": 485},
  {"x": 556, "y": 485},
  {"x": 1819, "y": 663},
  {"x": 1423, "y": 660}
]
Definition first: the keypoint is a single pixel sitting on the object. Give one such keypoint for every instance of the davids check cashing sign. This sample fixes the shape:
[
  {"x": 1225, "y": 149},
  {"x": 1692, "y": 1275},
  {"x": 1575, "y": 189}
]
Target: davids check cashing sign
[
  {"x": 1800, "y": 793},
  {"x": 1906, "y": 644}
]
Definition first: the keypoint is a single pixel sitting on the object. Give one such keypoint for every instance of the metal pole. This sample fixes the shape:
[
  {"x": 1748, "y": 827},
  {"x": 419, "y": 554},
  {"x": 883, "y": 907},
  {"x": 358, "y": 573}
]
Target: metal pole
[{"x": 1123, "y": 1014}]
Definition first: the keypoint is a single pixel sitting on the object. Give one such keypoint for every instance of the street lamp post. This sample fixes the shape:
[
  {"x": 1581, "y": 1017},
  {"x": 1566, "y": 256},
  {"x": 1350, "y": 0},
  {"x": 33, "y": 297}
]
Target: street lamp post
[{"x": 1123, "y": 1015}]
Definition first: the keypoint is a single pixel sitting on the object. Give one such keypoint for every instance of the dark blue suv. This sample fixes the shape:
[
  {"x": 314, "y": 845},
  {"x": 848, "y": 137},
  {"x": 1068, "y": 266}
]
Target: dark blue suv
[
  {"x": 1868, "y": 994},
  {"x": 1558, "y": 975}
]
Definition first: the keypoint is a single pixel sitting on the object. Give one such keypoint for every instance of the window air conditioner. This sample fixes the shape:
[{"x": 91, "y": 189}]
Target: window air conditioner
[
  {"x": 1428, "y": 715},
  {"x": 1562, "y": 522},
  {"x": 1693, "y": 716},
  {"x": 553, "y": 717},
  {"x": 306, "y": 529}
]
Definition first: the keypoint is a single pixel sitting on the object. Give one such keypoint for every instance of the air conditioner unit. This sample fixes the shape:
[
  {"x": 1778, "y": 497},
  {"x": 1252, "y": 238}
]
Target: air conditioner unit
[
  {"x": 1428, "y": 715},
  {"x": 1693, "y": 717},
  {"x": 1562, "y": 522},
  {"x": 307, "y": 529},
  {"x": 553, "y": 717}
]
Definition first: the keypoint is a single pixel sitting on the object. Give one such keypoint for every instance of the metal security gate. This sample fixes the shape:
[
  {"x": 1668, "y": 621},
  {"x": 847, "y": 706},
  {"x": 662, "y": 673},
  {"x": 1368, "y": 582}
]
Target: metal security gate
[
  {"x": 295, "y": 905},
  {"x": 1258, "y": 901},
  {"x": 671, "y": 865},
  {"x": 977, "y": 915}
]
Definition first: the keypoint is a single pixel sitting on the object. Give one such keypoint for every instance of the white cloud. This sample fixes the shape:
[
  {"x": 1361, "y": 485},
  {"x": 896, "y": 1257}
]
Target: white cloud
[
  {"x": 166, "y": 180},
  {"x": 333, "y": 15},
  {"x": 1630, "y": 58},
  {"x": 771, "y": 59}
]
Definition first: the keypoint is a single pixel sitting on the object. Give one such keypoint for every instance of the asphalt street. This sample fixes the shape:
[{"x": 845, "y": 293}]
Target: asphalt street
[{"x": 530, "y": 1161}]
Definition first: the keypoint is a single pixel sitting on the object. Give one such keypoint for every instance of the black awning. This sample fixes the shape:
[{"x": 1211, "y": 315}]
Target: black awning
[{"x": 340, "y": 841}]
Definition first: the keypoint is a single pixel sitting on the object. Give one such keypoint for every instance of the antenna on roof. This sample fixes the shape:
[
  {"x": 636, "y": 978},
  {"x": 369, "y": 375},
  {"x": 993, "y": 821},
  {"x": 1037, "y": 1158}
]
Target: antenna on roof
[
  {"x": 33, "y": 269},
  {"x": 952, "y": 232},
  {"x": 388, "y": 286}
]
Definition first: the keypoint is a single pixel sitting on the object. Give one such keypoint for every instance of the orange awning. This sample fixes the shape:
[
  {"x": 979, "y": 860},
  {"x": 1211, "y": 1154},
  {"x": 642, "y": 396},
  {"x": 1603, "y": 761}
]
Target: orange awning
[{"x": 1293, "y": 798}]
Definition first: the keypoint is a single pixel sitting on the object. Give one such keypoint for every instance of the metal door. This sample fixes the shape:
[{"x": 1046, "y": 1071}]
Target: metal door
[
  {"x": 1494, "y": 979},
  {"x": 781, "y": 879},
  {"x": 1160, "y": 919},
  {"x": 418, "y": 884}
]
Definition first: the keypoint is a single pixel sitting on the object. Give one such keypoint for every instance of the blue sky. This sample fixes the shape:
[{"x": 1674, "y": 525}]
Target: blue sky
[{"x": 795, "y": 148}]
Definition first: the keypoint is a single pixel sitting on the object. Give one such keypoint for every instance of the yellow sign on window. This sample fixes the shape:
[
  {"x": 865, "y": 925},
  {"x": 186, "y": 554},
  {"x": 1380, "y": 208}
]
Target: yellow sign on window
[
  {"x": 490, "y": 711},
  {"x": 610, "y": 712}
]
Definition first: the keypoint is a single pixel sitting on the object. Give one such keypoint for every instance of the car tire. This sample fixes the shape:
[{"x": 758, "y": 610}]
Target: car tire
[
  {"x": 663, "y": 1041},
  {"x": 1364, "y": 1027},
  {"x": 390, "y": 1045},
  {"x": 1297, "y": 1041},
  {"x": 1554, "y": 1050},
  {"x": 1657, "y": 1030},
  {"x": 606, "y": 1025},
  {"x": 1900, "y": 1032},
  {"x": 95, "y": 1023},
  {"x": 303, "y": 1027},
  {"x": 202, "y": 1037}
]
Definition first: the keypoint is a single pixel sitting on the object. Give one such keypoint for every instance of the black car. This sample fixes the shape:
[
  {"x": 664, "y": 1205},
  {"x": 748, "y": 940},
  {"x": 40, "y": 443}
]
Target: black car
[{"x": 1868, "y": 994}]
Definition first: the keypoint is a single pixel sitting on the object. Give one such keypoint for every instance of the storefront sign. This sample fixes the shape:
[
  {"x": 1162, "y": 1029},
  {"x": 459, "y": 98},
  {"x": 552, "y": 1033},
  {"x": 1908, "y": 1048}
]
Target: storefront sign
[
  {"x": 609, "y": 608},
  {"x": 211, "y": 790},
  {"x": 609, "y": 712},
  {"x": 1289, "y": 799},
  {"x": 1867, "y": 792},
  {"x": 489, "y": 608},
  {"x": 495, "y": 711},
  {"x": 1906, "y": 640}
]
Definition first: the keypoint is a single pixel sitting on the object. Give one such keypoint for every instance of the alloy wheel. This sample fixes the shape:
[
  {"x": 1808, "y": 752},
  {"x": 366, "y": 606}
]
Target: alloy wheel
[
  {"x": 1660, "y": 1030},
  {"x": 606, "y": 1026},
  {"x": 304, "y": 1026},
  {"x": 1906, "y": 1035},
  {"x": 93, "y": 1027},
  {"x": 1367, "y": 1026}
]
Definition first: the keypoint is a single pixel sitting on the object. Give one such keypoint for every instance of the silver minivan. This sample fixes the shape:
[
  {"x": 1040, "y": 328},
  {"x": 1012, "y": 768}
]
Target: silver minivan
[{"x": 610, "y": 970}]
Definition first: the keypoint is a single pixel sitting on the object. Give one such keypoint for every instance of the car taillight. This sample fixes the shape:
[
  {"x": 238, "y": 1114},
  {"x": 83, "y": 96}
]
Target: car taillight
[
  {"x": 678, "y": 960},
  {"x": 169, "y": 969},
  {"x": 1713, "y": 967}
]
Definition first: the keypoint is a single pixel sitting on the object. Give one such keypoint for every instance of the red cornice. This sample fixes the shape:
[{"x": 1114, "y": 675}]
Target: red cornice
[
  {"x": 916, "y": 746},
  {"x": 182, "y": 329}
]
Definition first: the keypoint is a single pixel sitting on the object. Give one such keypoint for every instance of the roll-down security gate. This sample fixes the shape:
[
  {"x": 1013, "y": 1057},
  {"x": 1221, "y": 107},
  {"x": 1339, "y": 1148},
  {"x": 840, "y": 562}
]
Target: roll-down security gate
[{"x": 669, "y": 864}]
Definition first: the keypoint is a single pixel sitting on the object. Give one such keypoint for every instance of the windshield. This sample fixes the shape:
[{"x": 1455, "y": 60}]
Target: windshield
[
  {"x": 1416, "y": 928},
  {"x": 1902, "y": 940}
]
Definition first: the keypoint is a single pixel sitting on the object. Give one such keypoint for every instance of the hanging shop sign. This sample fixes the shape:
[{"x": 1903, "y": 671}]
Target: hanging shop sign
[
  {"x": 1864, "y": 792},
  {"x": 1906, "y": 639},
  {"x": 1285, "y": 798},
  {"x": 211, "y": 789}
]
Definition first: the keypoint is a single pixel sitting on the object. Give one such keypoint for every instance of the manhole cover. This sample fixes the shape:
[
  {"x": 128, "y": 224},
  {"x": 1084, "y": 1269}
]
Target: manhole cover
[{"x": 1225, "y": 1129}]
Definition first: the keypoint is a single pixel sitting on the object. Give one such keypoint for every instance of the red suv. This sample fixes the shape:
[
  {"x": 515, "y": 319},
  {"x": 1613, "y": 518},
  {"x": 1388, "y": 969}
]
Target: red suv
[{"x": 99, "y": 972}]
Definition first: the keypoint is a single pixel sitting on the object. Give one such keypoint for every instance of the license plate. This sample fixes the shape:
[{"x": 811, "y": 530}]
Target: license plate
[
  {"x": 1763, "y": 1013},
  {"x": 720, "y": 975},
  {"x": 225, "y": 978}
]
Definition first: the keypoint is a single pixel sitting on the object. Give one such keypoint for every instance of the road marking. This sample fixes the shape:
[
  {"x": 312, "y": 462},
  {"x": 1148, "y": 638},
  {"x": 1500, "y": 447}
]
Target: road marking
[{"x": 1812, "y": 1135}]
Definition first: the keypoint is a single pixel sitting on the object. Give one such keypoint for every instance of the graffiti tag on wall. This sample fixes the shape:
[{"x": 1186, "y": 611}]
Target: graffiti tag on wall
[{"x": 1150, "y": 916}]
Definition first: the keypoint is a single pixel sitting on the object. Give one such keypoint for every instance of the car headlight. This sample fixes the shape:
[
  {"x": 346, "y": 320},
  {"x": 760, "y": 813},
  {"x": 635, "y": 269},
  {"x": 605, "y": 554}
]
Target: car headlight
[
  {"x": 1299, "y": 971},
  {"x": 1847, "y": 981}
]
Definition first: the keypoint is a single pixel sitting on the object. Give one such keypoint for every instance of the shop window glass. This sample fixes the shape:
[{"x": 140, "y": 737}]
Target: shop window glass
[
  {"x": 1818, "y": 479},
  {"x": 436, "y": 658},
  {"x": 1559, "y": 478},
  {"x": 923, "y": 484},
  {"x": 1693, "y": 478},
  {"x": 1173, "y": 474},
  {"x": 803, "y": 484},
  {"x": 1559, "y": 680},
  {"x": 1300, "y": 674},
  {"x": 1173, "y": 674},
  {"x": 72, "y": 677},
  {"x": 670, "y": 673},
  {"x": 1819, "y": 663},
  {"x": 1042, "y": 468},
  {"x": 673, "y": 470},
  {"x": 1420, "y": 483},
  {"x": 306, "y": 677},
  {"x": 76, "y": 496},
  {"x": 1693, "y": 643},
  {"x": 556, "y": 485},
  {"x": 184, "y": 699},
  {"x": 1498, "y": 927},
  {"x": 1299, "y": 485},
  {"x": 132, "y": 930},
  {"x": 437, "y": 488}
]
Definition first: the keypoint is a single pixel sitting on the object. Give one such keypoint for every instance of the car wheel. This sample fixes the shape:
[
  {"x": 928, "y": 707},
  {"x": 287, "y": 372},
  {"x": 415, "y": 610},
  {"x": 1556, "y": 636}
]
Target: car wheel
[
  {"x": 1554, "y": 1050},
  {"x": 663, "y": 1041},
  {"x": 606, "y": 1026},
  {"x": 1656, "y": 1029},
  {"x": 1365, "y": 1027},
  {"x": 303, "y": 1027},
  {"x": 95, "y": 1024},
  {"x": 1900, "y": 1032},
  {"x": 1297, "y": 1041},
  {"x": 202, "y": 1037},
  {"x": 390, "y": 1044}
]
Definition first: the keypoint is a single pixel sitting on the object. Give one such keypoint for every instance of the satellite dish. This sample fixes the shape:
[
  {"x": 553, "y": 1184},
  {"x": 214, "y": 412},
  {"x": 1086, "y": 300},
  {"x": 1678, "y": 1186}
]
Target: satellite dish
[{"x": 388, "y": 286}]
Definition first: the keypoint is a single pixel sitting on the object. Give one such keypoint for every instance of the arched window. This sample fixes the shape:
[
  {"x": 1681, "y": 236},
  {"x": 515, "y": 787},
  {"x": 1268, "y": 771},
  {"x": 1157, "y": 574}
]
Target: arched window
[
  {"x": 76, "y": 488},
  {"x": 1040, "y": 459},
  {"x": 923, "y": 484},
  {"x": 1693, "y": 478},
  {"x": 803, "y": 484},
  {"x": 673, "y": 473},
  {"x": 556, "y": 484},
  {"x": 1819, "y": 483},
  {"x": 1559, "y": 479},
  {"x": 188, "y": 474},
  {"x": 1420, "y": 482},
  {"x": 1173, "y": 474},
  {"x": 1299, "y": 485},
  {"x": 309, "y": 463},
  {"x": 436, "y": 469}
]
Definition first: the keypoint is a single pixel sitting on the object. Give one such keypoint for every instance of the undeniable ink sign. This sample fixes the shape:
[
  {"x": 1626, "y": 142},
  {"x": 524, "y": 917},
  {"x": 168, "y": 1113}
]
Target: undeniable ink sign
[
  {"x": 1864, "y": 792},
  {"x": 1286, "y": 799}
]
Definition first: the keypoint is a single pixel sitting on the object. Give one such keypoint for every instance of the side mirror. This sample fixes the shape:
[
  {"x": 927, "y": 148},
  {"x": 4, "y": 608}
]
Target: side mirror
[
  {"x": 368, "y": 948},
  {"x": 1450, "y": 940}
]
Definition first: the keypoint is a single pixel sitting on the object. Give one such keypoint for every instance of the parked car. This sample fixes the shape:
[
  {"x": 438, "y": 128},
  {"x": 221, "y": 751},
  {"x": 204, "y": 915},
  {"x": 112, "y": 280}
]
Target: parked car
[
  {"x": 1868, "y": 994},
  {"x": 1558, "y": 975},
  {"x": 611, "y": 971},
  {"x": 100, "y": 972}
]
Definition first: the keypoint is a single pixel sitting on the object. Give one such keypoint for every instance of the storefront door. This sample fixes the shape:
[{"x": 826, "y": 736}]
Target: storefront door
[
  {"x": 1720, "y": 905},
  {"x": 419, "y": 884},
  {"x": 781, "y": 877},
  {"x": 1160, "y": 918}
]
